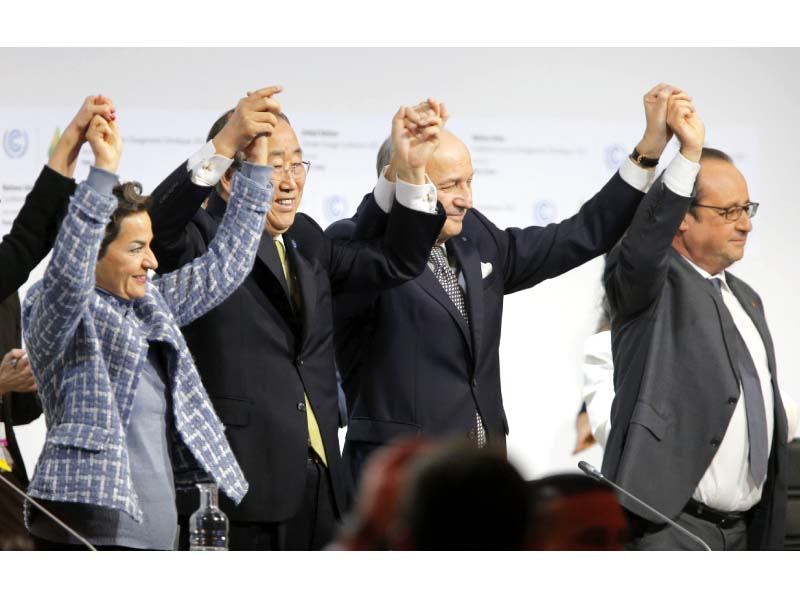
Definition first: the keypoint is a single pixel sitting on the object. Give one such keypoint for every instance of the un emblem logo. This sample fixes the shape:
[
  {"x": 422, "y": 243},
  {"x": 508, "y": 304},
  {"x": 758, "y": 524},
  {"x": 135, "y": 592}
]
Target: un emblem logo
[
  {"x": 15, "y": 143},
  {"x": 334, "y": 207},
  {"x": 614, "y": 156},
  {"x": 544, "y": 212}
]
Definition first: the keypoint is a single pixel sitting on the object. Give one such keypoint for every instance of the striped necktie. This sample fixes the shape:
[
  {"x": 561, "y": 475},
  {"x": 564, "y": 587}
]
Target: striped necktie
[{"x": 444, "y": 274}]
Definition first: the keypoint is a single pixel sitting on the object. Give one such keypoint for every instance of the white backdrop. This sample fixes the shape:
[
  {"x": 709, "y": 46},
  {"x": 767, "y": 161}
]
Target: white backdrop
[{"x": 546, "y": 127}]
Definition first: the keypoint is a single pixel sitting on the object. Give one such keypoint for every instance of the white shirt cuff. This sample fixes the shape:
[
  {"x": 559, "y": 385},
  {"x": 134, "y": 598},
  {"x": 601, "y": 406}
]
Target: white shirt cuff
[
  {"x": 384, "y": 192},
  {"x": 206, "y": 166},
  {"x": 636, "y": 176},
  {"x": 680, "y": 175},
  {"x": 421, "y": 198}
]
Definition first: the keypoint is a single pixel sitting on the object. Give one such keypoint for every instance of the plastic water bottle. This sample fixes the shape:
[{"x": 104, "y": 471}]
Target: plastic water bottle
[{"x": 208, "y": 525}]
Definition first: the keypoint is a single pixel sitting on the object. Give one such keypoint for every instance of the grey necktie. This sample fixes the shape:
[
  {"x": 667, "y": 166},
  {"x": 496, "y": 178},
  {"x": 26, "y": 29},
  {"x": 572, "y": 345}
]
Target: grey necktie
[
  {"x": 444, "y": 274},
  {"x": 753, "y": 398}
]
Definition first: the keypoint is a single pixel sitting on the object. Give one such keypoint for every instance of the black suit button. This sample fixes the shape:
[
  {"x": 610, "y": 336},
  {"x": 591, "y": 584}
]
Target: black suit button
[
  {"x": 715, "y": 442},
  {"x": 474, "y": 382},
  {"x": 471, "y": 435},
  {"x": 733, "y": 400},
  {"x": 301, "y": 406},
  {"x": 299, "y": 361}
]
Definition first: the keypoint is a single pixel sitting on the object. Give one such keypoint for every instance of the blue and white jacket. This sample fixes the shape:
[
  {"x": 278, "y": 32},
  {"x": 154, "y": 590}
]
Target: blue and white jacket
[{"x": 87, "y": 356}]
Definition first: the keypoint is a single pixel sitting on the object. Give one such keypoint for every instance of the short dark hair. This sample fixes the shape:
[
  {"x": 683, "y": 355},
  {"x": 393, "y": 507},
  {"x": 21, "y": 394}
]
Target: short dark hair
[
  {"x": 130, "y": 201},
  {"x": 450, "y": 487},
  {"x": 707, "y": 154},
  {"x": 238, "y": 158}
]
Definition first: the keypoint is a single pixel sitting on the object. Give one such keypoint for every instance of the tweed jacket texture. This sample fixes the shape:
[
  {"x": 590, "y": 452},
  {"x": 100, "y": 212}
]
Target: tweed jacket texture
[{"x": 87, "y": 356}]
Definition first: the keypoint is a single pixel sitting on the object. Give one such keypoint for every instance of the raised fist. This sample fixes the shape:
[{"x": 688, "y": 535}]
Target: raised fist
[
  {"x": 254, "y": 115},
  {"x": 106, "y": 143}
]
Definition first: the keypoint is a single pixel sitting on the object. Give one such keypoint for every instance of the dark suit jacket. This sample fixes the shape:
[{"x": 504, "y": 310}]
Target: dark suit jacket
[
  {"x": 18, "y": 409},
  {"x": 676, "y": 387},
  {"x": 34, "y": 229},
  {"x": 256, "y": 357},
  {"x": 410, "y": 363},
  {"x": 30, "y": 239}
]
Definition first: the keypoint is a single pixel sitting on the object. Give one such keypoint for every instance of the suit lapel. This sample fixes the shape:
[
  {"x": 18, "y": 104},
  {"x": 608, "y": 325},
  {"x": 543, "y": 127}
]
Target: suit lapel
[
  {"x": 304, "y": 278},
  {"x": 755, "y": 316},
  {"x": 470, "y": 262},
  {"x": 749, "y": 305},
  {"x": 723, "y": 315},
  {"x": 428, "y": 282},
  {"x": 267, "y": 253}
]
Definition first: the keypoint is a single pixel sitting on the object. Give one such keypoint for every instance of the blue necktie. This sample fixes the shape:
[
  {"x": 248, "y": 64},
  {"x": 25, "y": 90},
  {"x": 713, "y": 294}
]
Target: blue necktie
[{"x": 753, "y": 398}]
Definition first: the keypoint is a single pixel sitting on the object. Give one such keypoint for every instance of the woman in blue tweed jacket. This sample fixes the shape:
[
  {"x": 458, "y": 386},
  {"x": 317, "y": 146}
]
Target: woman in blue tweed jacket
[{"x": 127, "y": 416}]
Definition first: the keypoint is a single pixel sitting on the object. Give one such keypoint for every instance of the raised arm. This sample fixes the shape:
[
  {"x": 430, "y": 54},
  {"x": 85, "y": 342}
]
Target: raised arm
[
  {"x": 636, "y": 271},
  {"x": 534, "y": 254},
  {"x": 412, "y": 227},
  {"x": 416, "y": 133},
  {"x": 54, "y": 306},
  {"x": 176, "y": 200},
  {"x": 199, "y": 286},
  {"x": 35, "y": 227}
]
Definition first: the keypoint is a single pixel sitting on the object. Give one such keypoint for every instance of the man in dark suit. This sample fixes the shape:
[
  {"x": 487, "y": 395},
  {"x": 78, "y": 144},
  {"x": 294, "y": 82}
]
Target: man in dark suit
[
  {"x": 266, "y": 354},
  {"x": 698, "y": 426},
  {"x": 29, "y": 241},
  {"x": 423, "y": 359}
]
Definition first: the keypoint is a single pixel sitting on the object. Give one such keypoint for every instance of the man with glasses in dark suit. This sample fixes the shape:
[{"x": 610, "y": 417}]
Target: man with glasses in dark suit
[
  {"x": 266, "y": 354},
  {"x": 699, "y": 428}
]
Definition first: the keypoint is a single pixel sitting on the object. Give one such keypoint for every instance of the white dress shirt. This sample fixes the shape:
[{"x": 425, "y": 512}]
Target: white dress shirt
[
  {"x": 727, "y": 484},
  {"x": 598, "y": 384}
]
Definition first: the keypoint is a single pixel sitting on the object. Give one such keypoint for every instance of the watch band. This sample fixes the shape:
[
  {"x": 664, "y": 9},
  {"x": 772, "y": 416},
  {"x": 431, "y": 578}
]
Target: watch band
[{"x": 644, "y": 161}]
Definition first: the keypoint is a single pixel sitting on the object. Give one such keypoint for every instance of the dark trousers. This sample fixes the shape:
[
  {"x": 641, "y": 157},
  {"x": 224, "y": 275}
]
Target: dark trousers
[
  {"x": 13, "y": 535},
  {"x": 312, "y": 528},
  {"x": 646, "y": 535},
  {"x": 354, "y": 458}
]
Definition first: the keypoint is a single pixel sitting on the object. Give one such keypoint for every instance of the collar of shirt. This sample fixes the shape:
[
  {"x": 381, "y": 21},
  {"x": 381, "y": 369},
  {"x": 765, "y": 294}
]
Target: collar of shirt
[{"x": 706, "y": 275}]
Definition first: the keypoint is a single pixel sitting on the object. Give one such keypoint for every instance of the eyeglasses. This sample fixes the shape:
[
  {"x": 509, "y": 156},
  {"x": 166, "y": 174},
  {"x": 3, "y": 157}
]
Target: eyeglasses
[
  {"x": 297, "y": 171},
  {"x": 734, "y": 213}
]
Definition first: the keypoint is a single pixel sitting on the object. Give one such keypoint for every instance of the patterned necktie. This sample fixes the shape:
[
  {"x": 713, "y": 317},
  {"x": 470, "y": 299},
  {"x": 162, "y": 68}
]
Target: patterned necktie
[
  {"x": 753, "y": 398},
  {"x": 314, "y": 434},
  {"x": 444, "y": 274}
]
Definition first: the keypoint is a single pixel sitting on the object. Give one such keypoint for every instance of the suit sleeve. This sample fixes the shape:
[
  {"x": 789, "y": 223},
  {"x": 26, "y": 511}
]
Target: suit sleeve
[
  {"x": 535, "y": 254},
  {"x": 34, "y": 230},
  {"x": 173, "y": 204},
  {"x": 399, "y": 256},
  {"x": 370, "y": 220},
  {"x": 636, "y": 270}
]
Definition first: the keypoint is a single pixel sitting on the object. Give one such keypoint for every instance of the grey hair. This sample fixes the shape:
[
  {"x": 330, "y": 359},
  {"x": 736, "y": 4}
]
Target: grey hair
[{"x": 384, "y": 155}]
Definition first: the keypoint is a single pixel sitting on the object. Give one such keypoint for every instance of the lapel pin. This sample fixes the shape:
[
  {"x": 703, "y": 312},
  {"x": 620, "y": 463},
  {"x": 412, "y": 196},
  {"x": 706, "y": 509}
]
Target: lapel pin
[{"x": 294, "y": 244}]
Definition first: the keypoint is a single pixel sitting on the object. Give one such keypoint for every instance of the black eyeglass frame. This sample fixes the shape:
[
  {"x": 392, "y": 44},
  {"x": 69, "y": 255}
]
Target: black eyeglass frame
[{"x": 751, "y": 208}]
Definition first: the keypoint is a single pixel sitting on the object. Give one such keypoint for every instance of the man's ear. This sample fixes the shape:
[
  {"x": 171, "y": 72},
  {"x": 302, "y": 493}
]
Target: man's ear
[
  {"x": 684, "y": 226},
  {"x": 225, "y": 184}
]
